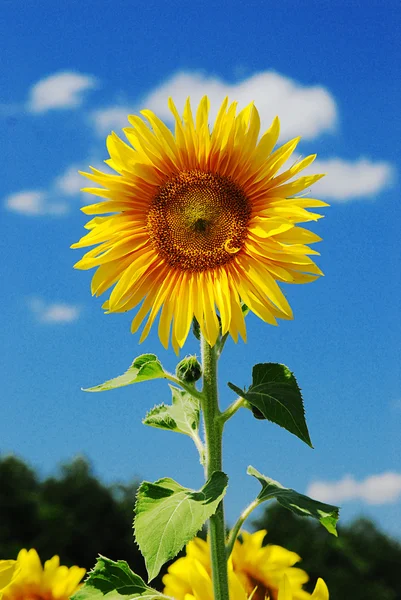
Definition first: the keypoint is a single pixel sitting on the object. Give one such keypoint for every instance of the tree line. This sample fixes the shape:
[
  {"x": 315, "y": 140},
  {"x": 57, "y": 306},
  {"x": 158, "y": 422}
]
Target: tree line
[{"x": 78, "y": 517}]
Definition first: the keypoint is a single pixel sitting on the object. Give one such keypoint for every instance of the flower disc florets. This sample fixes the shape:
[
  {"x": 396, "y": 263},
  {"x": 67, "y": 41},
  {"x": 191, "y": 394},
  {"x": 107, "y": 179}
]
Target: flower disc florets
[{"x": 198, "y": 220}]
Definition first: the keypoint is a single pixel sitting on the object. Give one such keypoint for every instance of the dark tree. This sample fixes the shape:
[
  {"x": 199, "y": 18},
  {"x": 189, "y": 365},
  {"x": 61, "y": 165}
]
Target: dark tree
[
  {"x": 362, "y": 563},
  {"x": 72, "y": 515},
  {"x": 19, "y": 506}
]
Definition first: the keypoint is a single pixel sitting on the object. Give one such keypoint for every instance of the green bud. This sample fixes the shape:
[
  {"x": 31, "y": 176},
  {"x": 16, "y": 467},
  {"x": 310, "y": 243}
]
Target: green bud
[{"x": 189, "y": 369}]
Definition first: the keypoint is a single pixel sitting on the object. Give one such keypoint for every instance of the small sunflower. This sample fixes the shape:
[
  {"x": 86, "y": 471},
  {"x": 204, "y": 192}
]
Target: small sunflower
[
  {"x": 263, "y": 567},
  {"x": 253, "y": 570},
  {"x": 26, "y": 579},
  {"x": 194, "y": 224}
]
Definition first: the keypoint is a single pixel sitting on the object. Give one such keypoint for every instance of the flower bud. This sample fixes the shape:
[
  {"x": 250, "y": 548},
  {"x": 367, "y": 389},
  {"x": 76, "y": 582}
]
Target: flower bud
[{"x": 189, "y": 369}]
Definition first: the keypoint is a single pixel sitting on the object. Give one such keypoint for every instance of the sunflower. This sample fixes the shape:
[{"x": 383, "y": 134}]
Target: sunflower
[
  {"x": 26, "y": 579},
  {"x": 252, "y": 569},
  {"x": 197, "y": 223}
]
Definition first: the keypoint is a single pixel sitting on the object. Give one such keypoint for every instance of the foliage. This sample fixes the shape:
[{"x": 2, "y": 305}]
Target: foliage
[
  {"x": 275, "y": 395},
  {"x": 169, "y": 515},
  {"x": 116, "y": 581},
  {"x": 78, "y": 517},
  {"x": 295, "y": 502}
]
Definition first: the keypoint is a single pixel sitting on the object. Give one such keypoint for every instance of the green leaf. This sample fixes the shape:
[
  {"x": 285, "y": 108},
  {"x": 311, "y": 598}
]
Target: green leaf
[
  {"x": 169, "y": 515},
  {"x": 144, "y": 367},
  {"x": 115, "y": 581},
  {"x": 181, "y": 416},
  {"x": 275, "y": 395},
  {"x": 297, "y": 503}
]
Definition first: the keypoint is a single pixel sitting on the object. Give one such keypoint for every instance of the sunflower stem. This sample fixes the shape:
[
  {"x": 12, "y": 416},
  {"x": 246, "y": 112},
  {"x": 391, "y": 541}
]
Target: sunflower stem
[{"x": 213, "y": 442}]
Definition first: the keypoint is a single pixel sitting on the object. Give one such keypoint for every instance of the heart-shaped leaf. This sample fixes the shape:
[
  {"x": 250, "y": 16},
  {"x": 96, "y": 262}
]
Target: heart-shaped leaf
[
  {"x": 169, "y": 515},
  {"x": 275, "y": 395}
]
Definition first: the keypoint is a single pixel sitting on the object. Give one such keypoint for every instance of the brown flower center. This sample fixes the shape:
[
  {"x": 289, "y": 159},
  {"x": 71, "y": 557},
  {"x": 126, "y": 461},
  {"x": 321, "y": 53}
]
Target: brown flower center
[
  {"x": 198, "y": 220},
  {"x": 262, "y": 592}
]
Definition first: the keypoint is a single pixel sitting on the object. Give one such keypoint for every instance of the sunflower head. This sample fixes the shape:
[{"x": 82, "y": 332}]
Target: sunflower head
[
  {"x": 260, "y": 572},
  {"x": 26, "y": 579},
  {"x": 195, "y": 223}
]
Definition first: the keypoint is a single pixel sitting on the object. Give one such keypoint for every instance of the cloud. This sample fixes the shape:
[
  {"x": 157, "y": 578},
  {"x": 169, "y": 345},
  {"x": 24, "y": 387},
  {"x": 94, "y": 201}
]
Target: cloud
[
  {"x": 33, "y": 203},
  {"x": 303, "y": 110},
  {"x": 375, "y": 489},
  {"x": 348, "y": 180},
  {"x": 307, "y": 111},
  {"x": 70, "y": 182},
  {"x": 53, "y": 313},
  {"x": 59, "y": 91},
  {"x": 112, "y": 118}
]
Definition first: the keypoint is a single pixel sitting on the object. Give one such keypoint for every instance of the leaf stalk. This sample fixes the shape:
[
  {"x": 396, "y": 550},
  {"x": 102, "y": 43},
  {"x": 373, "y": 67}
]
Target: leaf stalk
[{"x": 237, "y": 527}]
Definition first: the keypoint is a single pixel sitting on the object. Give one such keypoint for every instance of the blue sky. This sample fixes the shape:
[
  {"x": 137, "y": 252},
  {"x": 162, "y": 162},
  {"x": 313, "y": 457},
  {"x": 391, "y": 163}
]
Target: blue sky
[{"x": 72, "y": 71}]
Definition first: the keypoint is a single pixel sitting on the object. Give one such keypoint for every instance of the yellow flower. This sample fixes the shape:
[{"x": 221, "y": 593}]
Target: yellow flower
[
  {"x": 265, "y": 567},
  {"x": 26, "y": 579},
  {"x": 263, "y": 572},
  {"x": 195, "y": 223},
  {"x": 320, "y": 592},
  {"x": 8, "y": 571}
]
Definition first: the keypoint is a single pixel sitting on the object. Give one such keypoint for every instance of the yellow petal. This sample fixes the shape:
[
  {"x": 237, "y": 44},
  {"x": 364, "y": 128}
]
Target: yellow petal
[
  {"x": 321, "y": 591},
  {"x": 285, "y": 592}
]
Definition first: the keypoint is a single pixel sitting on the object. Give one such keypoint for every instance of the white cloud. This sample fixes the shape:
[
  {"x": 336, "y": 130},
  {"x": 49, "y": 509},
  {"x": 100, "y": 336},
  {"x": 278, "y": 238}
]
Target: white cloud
[
  {"x": 55, "y": 201},
  {"x": 112, "y": 118},
  {"x": 375, "y": 489},
  {"x": 347, "y": 180},
  {"x": 53, "y": 313},
  {"x": 34, "y": 203},
  {"x": 70, "y": 182},
  {"x": 59, "y": 91},
  {"x": 303, "y": 110}
]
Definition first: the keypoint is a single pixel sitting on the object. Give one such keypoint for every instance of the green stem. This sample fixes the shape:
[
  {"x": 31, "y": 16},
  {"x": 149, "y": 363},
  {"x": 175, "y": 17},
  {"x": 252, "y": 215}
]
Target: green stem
[
  {"x": 236, "y": 529},
  {"x": 191, "y": 389},
  {"x": 232, "y": 409},
  {"x": 213, "y": 442}
]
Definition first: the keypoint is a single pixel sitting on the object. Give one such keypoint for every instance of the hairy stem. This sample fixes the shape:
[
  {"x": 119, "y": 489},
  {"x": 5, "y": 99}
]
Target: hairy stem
[
  {"x": 191, "y": 389},
  {"x": 213, "y": 441},
  {"x": 232, "y": 409}
]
